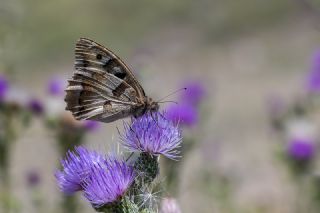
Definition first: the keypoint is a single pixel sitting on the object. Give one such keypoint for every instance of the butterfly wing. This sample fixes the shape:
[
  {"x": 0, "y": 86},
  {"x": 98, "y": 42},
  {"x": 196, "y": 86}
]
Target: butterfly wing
[{"x": 102, "y": 88}]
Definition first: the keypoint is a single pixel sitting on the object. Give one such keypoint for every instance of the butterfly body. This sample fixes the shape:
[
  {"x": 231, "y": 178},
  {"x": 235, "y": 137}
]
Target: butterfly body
[{"x": 103, "y": 88}]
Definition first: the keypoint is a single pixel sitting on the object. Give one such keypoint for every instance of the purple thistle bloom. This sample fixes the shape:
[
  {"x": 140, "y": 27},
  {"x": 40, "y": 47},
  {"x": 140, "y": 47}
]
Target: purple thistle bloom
[
  {"x": 184, "y": 114},
  {"x": 76, "y": 169},
  {"x": 301, "y": 149},
  {"x": 109, "y": 182},
  {"x": 36, "y": 106},
  {"x": 4, "y": 86},
  {"x": 152, "y": 133},
  {"x": 56, "y": 87},
  {"x": 91, "y": 125},
  {"x": 313, "y": 78},
  {"x": 194, "y": 92}
]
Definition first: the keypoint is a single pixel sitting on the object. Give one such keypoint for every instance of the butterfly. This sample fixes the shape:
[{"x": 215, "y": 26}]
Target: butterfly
[{"x": 102, "y": 87}]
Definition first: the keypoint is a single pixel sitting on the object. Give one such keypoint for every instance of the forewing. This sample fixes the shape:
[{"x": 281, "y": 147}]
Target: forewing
[
  {"x": 94, "y": 57},
  {"x": 102, "y": 87}
]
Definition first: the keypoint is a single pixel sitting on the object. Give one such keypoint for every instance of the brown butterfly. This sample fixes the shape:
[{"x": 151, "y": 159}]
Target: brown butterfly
[{"x": 103, "y": 88}]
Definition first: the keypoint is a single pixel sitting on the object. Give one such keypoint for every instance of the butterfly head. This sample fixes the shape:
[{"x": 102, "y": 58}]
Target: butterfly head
[{"x": 152, "y": 105}]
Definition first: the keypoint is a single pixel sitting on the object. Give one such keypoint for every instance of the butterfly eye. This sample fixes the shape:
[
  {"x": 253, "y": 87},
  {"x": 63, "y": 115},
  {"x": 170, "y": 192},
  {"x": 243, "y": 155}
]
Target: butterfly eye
[{"x": 99, "y": 56}]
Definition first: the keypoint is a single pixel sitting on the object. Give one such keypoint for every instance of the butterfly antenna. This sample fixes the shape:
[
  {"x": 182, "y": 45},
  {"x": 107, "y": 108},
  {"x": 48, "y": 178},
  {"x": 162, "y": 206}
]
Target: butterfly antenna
[
  {"x": 161, "y": 102},
  {"x": 179, "y": 90}
]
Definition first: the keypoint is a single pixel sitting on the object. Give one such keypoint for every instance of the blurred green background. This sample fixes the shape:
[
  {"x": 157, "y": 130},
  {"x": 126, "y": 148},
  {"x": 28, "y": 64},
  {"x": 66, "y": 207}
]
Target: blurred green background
[
  {"x": 35, "y": 34},
  {"x": 243, "y": 51}
]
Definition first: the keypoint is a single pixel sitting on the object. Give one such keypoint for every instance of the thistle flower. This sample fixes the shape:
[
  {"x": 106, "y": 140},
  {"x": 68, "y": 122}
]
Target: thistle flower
[
  {"x": 91, "y": 125},
  {"x": 108, "y": 183},
  {"x": 184, "y": 114},
  {"x": 194, "y": 92},
  {"x": 56, "y": 86},
  {"x": 4, "y": 86},
  {"x": 36, "y": 106},
  {"x": 169, "y": 205},
  {"x": 55, "y": 105},
  {"x": 76, "y": 169},
  {"x": 154, "y": 134},
  {"x": 313, "y": 77},
  {"x": 301, "y": 149}
]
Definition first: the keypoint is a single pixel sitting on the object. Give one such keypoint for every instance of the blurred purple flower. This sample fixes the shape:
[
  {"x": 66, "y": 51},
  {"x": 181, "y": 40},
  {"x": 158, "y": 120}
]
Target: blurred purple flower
[
  {"x": 56, "y": 86},
  {"x": 76, "y": 168},
  {"x": 194, "y": 93},
  {"x": 184, "y": 114},
  {"x": 154, "y": 134},
  {"x": 33, "y": 178},
  {"x": 109, "y": 182},
  {"x": 91, "y": 125},
  {"x": 169, "y": 205},
  {"x": 301, "y": 149},
  {"x": 313, "y": 77},
  {"x": 4, "y": 86},
  {"x": 36, "y": 106}
]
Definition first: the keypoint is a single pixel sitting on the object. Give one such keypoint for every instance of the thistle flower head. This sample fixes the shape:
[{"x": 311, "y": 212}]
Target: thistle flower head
[
  {"x": 301, "y": 149},
  {"x": 154, "y": 134},
  {"x": 76, "y": 168},
  {"x": 4, "y": 86},
  {"x": 194, "y": 93},
  {"x": 36, "y": 106},
  {"x": 56, "y": 86},
  {"x": 108, "y": 182},
  {"x": 91, "y": 125},
  {"x": 184, "y": 114},
  {"x": 313, "y": 77}
]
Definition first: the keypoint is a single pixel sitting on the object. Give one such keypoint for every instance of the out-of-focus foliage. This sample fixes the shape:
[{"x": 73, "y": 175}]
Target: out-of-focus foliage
[{"x": 34, "y": 32}]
